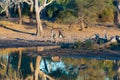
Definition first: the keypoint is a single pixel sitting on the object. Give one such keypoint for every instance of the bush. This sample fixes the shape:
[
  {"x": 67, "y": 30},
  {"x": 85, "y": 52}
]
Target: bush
[
  {"x": 66, "y": 16},
  {"x": 106, "y": 15},
  {"x": 88, "y": 44}
]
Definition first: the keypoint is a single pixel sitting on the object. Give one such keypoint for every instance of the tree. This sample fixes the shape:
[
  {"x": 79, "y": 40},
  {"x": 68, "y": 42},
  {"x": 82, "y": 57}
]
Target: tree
[
  {"x": 18, "y": 3},
  {"x": 20, "y": 13},
  {"x": 116, "y": 3},
  {"x": 31, "y": 3},
  {"x": 4, "y": 4},
  {"x": 39, "y": 6},
  {"x": 95, "y": 11}
]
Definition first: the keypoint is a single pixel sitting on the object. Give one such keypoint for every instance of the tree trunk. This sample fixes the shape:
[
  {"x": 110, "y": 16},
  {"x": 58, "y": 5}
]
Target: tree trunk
[
  {"x": 116, "y": 18},
  {"x": 19, "y": 12},
  {"x": 31, "y": 66},
  {"x": 19, "y": 59},
  {"x": 82, "y": 24},
  {"x": 39, "y": 30},
  {"x": 40, "y": 73},
  {"x": 39, "y": 49},
  {"x": 38, "y": 59},
  {"x": 7, "y": 14},
  {"x": 31, "y": 14},
  {"x": 8, "y": 66}
]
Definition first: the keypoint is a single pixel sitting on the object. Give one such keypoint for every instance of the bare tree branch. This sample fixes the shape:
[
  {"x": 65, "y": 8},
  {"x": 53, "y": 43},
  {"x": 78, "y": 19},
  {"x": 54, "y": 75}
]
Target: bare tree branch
[
  {"x": 45, "y": 3},
  {"x": 4, "y": 5},
  {"x": 45, "y": 76},
  {"x": 29, "y": 2},
  {"x": 48, "y": 2},
  {"x": 4, "y": 66}
]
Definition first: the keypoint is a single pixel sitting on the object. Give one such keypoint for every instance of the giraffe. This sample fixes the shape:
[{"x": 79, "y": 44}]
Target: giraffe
[{"x": 56, "y": 34}]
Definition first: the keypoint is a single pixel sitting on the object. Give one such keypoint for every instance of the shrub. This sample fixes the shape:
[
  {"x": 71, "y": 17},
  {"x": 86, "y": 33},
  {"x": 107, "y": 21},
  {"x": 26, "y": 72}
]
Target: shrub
[
  {"x": 66, "y": 16},
  {"x": 106, "y": 15},
  {"x": 88, "y": 44}
]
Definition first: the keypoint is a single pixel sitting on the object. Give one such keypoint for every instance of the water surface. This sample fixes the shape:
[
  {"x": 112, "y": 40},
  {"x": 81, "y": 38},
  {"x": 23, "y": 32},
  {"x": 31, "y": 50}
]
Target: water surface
[{"x": 24, "y": 63}]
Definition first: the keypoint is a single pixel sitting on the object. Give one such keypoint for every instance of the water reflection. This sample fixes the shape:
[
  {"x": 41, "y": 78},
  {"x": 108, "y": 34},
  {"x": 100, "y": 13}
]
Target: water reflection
[{"x": 17, "y": 63}]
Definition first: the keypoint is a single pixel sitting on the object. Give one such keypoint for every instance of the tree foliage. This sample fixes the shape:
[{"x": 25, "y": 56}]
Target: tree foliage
[
  {"x": 65, "y": 11},
  {"x": 95, "y": 10},
  {"x": 70, "y": 11}
]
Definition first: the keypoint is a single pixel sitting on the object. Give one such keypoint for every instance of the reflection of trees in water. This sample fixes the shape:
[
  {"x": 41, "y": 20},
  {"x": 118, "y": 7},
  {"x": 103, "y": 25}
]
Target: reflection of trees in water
[
  {"x": 3, "y": 65},
  {"x": 97, "y": 69},
  {"x": 20, "y": 62},
  {"x": 56, "y": 68},
  {"x": 19, "y": 65},
  {"x": 8, "y": 72},
  {"x": 29, "y": 67},
  {"x": 116, "y": 67}
]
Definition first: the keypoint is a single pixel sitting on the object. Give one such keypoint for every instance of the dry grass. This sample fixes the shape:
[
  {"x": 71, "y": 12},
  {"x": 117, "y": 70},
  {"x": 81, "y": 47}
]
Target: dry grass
[{"x": 15, "y": 30}]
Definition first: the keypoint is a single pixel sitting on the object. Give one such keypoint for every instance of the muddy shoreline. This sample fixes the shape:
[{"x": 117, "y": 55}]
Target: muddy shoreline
[
  {"x": 4, "y": 43},
  {"x": 77, "y": 53},
  {"x": 63, "y": 52}
]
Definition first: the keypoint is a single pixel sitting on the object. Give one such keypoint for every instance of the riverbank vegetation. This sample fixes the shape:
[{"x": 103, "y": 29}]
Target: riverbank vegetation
[{"x": 93, "y": 44}]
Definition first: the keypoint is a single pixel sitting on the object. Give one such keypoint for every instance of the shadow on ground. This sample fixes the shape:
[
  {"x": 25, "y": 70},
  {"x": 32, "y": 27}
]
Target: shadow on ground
[{"x": 15, "y": 30}]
